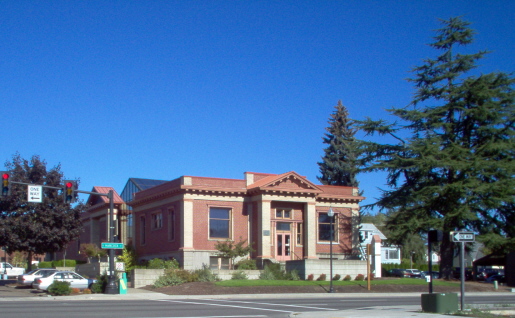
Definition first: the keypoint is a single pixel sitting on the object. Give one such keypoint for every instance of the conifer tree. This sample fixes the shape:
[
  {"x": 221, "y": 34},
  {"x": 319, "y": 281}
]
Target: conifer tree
[
  {"x": 339, "y": 163},
  {"x": 451, "y": 165}
]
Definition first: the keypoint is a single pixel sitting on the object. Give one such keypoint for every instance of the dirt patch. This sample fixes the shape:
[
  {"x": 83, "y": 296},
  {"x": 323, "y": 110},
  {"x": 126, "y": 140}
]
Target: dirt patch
[{"x": 203, "y": 288}]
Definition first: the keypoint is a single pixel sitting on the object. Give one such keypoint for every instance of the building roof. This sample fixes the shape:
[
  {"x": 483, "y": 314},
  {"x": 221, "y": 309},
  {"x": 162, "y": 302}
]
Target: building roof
[
  {"x": 369, "y": 227},
  {"x": 143, "y": 184},
  {"x": 96, "y": 201}
]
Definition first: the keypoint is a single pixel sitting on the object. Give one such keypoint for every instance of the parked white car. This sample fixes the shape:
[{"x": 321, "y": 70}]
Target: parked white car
[
  {"x": 28, "y": 279},
  {"x": 75, "y": 280},
  {"x": 6, "y": 268}
]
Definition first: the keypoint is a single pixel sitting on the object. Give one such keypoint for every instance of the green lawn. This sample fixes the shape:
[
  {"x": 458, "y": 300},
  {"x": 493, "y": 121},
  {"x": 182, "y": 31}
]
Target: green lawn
[{"x": 399, "y": 281}]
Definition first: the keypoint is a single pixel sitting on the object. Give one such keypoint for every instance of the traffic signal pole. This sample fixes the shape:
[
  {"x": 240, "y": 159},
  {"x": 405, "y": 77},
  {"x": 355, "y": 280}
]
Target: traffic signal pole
[{"x": 70, "y": 185}]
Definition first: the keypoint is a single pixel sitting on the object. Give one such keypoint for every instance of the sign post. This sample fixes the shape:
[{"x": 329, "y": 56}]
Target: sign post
[{"x": 462, "y": 237}]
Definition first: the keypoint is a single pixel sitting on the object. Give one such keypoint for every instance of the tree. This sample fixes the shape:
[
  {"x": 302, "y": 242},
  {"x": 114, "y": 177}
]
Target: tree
[
  {"x": 451, "y": 164},
  {"x": 339, "y": 163},
  {"x": 37, "y": 228},
  {"x": 231, "y": 250}
]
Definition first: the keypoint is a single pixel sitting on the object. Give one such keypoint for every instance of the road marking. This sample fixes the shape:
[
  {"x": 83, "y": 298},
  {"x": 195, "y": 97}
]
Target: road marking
[
  {"x": 221, "y": 305},
  {"x": 269, "y": 304}
]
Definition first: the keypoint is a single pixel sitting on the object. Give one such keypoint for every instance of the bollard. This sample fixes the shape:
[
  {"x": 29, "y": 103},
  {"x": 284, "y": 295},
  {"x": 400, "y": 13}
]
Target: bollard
[{"x": 496, "y": 285}]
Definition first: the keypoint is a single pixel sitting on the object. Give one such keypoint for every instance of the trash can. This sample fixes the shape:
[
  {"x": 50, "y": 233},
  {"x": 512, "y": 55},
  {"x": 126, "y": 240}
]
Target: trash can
[
  {"x": 440, "y": 303},
  {"x": 123, "y": 284}
]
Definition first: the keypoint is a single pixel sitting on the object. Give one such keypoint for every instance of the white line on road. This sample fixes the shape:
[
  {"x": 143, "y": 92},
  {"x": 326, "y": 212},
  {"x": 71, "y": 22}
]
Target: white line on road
[
  {"x": 220, "y": 305},
  {"x": 269, "y": 304}
]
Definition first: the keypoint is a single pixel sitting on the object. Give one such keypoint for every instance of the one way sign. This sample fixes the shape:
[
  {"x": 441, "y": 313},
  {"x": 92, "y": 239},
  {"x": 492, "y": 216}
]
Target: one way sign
[
  {"x": 35, "y": 193},
  {"x": 463, "y": 236}
]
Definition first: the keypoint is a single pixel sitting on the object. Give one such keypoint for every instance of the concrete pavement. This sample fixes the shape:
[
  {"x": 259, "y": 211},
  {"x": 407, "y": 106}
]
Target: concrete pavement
[{"x": 367, "y": 311}]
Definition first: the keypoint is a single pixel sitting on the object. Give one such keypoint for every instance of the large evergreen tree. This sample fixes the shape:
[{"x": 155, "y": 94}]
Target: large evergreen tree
[
  {"x": 451, "y": 164},
  {"x": 339, "y": 163},
  {"x": 37, "y": 228}
]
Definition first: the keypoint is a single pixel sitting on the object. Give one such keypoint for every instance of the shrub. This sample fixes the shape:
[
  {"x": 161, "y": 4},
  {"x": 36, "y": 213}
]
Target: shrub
[
  {"x": 322, "y": 277},
  {"x": 371, "y": 276},
  {"x": 59, "y": 288},
  {"x": 45, "y": 265},
  {"x": 75, "y": 291},
  {"x": 246, "y": 264},
  {"x": 239, "y": 275},
  {"x": 171, "y": 278},
  {"x": 86, "y": 291},
  {"x": 100, "y": 286},
  {"x": 267, "y": 274},
  {"x": 158, "y": 263},
  {"x": 293, "y": 275},
  {"x": 337, "y": 277},
  {"x": 186, "y": 276},
  {"x": 206, "y": 275},
  {"x": 311, "y": 277},
  {"x": 347, "y": 278},
  {"x": 64, "y": 263},
  {"x": 360, "y": 277}
]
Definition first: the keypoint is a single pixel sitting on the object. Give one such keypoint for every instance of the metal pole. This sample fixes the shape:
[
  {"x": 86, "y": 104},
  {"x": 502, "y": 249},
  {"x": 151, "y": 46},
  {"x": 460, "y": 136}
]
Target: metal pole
[
  {"x": 430, "y": 258},
  {"x": 111, "y": 285},
  {"x": 331, "y": 290},
  {"x": 462, "y": 270}
]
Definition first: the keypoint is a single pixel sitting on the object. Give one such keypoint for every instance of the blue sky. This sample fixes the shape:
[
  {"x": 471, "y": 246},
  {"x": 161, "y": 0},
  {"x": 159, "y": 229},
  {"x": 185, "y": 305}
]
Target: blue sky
[{"x": 161, "y": 89}]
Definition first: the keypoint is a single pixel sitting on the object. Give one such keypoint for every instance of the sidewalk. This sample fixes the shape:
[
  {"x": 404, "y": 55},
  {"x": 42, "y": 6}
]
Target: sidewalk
[{"x": 369, "y": 311}]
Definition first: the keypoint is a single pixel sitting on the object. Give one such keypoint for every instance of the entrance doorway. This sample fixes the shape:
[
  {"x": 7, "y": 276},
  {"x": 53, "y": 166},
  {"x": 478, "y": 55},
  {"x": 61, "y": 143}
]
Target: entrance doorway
[{"x": 283, "y": 252}]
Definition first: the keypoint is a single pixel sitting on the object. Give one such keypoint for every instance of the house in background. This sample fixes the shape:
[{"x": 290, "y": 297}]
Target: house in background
[
  {"x": 389, "y": 254},
  {"x": 283, "y": 217}
]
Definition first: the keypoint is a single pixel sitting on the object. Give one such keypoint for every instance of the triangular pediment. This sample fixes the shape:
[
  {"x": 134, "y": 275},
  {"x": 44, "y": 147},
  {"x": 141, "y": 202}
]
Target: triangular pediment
[{"x": 290, "y": 181}]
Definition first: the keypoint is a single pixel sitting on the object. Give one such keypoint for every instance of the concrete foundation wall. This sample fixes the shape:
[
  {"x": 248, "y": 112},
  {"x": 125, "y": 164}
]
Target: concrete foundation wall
[
  {"x": 143, "y": 277},
  {"x": 318, "y": 267}
]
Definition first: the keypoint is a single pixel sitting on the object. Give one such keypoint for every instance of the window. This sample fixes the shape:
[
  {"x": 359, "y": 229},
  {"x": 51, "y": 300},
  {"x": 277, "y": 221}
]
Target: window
[
  {"x": 171, "y": 224},
  {"x": 324, "y": 227},
  {"x": 142, "y": 230},
  {"x": 283, "y": 213},
  {"x": 157, "y": 221},
  {"x": 219, "y": 223},
  {"x": 283, "y": 226},
  {"x": 299, "y": 234},
  {"x": 392, "y": 254}
]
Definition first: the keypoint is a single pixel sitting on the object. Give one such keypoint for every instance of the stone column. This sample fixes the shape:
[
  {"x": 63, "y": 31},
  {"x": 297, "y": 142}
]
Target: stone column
[{"x": 310, "y": 232}]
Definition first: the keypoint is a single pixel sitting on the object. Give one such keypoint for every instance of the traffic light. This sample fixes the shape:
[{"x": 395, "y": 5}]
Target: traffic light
[
  {"x": 6, "y": 186},
  {"x": 69, "y": 191}
]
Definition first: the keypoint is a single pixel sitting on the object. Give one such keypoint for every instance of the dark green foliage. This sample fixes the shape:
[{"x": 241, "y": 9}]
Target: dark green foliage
[
  {"x": 337, "y": 277},
  {"x": 246, "y": 264},
  {"x": 339, "y": 164},
  {"x": 451, "y": 164},
  {"x": 100, "y": 286},
  {"x": 59, "y": 288},
  {"x": 37, "y": 228}
]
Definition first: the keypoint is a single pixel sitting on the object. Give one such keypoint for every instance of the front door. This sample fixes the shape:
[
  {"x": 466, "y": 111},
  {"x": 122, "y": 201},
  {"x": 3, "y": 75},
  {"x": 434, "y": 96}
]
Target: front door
[{"x": 283, "y": 252}]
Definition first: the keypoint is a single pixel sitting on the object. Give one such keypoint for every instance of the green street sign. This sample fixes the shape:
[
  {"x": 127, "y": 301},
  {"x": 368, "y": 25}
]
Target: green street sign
[{"x": 117, "y": 246}]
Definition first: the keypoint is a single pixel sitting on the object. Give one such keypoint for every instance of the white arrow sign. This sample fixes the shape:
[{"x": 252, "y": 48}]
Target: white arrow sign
[
  {"x": 463, "y": 236},
  {"x": 34, "y": 193}
]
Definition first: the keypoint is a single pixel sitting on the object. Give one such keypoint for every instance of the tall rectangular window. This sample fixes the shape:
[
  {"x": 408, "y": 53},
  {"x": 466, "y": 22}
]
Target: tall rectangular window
[
  {"x": 300, "y": 234},
  {"x": 157, "y": 221},
  {"x": 219, "y": 223},
  {"x": 142, "y": 227},
  {"x": 324, "y": 227},
  {"x": 171, "y": 225}
]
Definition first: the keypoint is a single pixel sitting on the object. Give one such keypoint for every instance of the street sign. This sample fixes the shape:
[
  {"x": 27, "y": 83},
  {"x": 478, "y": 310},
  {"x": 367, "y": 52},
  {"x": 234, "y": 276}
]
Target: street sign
[
  {"x": 34, "y": 193},
  {"x": 116, "y": 246},
  {"x": 463, "y": 236}
]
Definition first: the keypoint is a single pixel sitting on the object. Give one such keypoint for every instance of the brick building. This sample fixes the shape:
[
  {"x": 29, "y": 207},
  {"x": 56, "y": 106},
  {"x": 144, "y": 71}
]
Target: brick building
[{"x": 284, "y": 217}]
